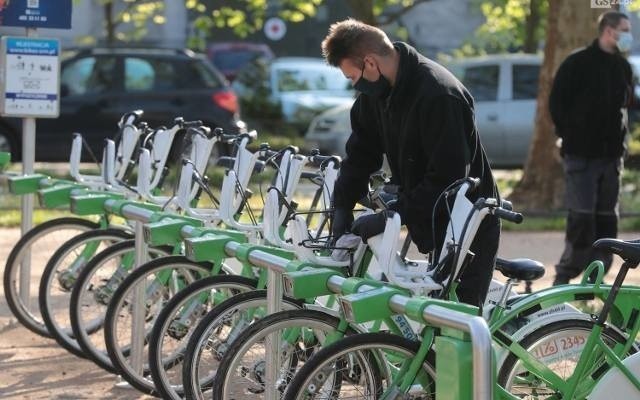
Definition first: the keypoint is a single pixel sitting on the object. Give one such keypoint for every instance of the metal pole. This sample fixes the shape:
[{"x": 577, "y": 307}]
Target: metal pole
[
  {"x": 138, "y": 312},
  {"x": 26, "y": 222},
  {"x": 480, "y": 344},
  {"x": 130, "y": 211},
  {"x": 272, "y": 345},
  {"x": 275, "y": 268}
]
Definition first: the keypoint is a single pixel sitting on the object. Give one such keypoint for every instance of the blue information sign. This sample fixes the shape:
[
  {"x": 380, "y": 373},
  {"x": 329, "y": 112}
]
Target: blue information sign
[{"x": 36, "y": 13}]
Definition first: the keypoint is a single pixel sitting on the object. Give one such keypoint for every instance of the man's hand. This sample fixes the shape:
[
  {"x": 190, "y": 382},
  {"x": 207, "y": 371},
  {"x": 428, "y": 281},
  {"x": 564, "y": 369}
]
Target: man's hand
[{"x": 342, "y": 220}]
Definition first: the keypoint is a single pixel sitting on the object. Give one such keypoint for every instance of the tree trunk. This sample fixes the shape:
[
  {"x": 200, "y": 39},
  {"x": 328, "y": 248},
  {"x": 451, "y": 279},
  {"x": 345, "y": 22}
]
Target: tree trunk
[
  {"x": 571, "y": 24},
  {"x": 363, "y": 11},
  {"x": 110, "y": 26},
  {"x": 531, "y": 23}
]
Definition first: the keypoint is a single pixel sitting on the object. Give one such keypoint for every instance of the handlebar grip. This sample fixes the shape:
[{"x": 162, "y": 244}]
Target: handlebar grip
[
  {"x": 506, "y": 204},
  {"x": 310, "y": 175},
  {"x": 318, "y": 160},
  {"x": 230, "y": 138},
  {"x": 199, "y": 130},
  {"x": 192, "y": 124},
  {"x": 511, "y": 216}
]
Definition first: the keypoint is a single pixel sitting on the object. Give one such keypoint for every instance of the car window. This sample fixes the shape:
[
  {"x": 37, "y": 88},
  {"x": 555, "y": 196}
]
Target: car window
[
  {"x": 149, "y": 74},
  {"x": 89, "y": 75},
  {"x": 482, "y": 82},
  {"x": 525, "y": 81},
  {"x": 290, "y": 80},
  {"x": 234, "y": 59},
  {"x": 198, "y": 75}
]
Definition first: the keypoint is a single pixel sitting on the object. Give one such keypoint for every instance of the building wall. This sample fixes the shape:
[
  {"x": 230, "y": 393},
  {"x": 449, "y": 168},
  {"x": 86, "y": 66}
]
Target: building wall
[{"x": 441, "y": 25}]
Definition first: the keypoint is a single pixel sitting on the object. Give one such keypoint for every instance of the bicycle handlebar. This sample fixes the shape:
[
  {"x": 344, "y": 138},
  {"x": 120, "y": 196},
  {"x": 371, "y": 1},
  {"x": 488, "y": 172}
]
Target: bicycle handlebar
[
  {"x": 318, "y": 160},
  {"x": 230, "y": 138},
  {"x": 509, "y": 215}
]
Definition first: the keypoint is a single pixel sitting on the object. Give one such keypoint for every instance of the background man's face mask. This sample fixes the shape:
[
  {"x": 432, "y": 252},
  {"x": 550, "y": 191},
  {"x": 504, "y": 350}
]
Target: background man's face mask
[
  {"x": 379, "y": 88},
  {"x": 624, "y": 42}
]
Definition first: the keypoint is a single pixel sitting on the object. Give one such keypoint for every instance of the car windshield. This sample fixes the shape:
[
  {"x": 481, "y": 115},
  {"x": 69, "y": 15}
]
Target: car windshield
[
  {"x": 233, "y": 59},
  {"x": 307, "y": 79}
]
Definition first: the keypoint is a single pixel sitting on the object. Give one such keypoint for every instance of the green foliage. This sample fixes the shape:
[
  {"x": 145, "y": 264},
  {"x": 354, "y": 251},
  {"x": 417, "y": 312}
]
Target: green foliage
[
  {"x": 248, "y": 16},
  {"x": 505, "y": 27},
  {"x": 129, "y": 17}
]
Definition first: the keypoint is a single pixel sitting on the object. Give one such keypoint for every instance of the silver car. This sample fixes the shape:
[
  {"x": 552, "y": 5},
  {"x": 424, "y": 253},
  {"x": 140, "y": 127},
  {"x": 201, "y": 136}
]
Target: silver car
[
  {"x": 299, "y": 88},
  {"x": 504, "y": 88}
]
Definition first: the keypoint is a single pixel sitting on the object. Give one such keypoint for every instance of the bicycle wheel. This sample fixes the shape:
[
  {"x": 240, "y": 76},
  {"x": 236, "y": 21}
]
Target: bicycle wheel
[
  {"x": 176, "y": 322},
  {"x": 558, "y": 345},
  {"x": 361, "y": 367},
  {"x": 40, "y": 241},
  {"x": 299, "y": 334},
  {"x": 215, "y": 333},
  {"x": 61, "y": 274},
  {"x": 149, "y": 286},
  {"x": 92, "y": 292}
]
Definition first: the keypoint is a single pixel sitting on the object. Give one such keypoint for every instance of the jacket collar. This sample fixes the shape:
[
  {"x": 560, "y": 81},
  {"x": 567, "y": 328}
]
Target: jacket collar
[
  {"x": 409, "y": 60},
  {"x": 595, "y": 47}
]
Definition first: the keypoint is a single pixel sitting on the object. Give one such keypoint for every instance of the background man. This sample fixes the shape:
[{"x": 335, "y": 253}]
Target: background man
[{"x": 590, "y": 90}]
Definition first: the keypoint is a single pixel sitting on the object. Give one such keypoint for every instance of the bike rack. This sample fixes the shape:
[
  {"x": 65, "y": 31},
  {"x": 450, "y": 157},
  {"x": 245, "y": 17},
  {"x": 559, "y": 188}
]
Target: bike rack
[
  {"x": 475, "y": 326},
  {"x": 140, "y": 215}
]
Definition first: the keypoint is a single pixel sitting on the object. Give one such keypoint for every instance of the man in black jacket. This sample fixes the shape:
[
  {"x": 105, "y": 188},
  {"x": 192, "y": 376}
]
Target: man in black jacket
[
  {"x": 421, "y": 117},
  {"x": 591, "y": 89}
]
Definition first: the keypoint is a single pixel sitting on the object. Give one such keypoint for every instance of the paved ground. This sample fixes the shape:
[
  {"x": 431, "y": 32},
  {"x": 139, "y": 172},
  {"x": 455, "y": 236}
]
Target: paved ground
[{"x": 32, "y": 367}]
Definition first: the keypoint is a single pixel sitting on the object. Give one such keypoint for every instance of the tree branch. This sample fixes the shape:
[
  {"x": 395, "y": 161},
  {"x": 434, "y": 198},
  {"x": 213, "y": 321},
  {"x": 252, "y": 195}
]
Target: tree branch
[{"x": 392, "y": 17}]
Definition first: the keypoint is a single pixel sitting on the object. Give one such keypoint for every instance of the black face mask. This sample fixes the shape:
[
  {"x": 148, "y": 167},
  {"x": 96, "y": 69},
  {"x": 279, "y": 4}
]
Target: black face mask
[{"x": 379, "y": 89}]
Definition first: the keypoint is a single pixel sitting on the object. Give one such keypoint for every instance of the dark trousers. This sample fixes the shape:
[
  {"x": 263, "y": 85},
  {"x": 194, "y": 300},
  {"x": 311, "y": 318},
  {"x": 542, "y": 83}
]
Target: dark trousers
[
  {"x": 475, "y": 279},
  {"x": 592, "y": 189}
]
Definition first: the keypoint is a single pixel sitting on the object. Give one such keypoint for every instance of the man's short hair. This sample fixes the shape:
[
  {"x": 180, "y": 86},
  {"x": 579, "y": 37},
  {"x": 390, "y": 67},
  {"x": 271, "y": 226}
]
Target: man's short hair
[
  {"x": 354, "y": 39},
  {"x": 610, "y": 19}
]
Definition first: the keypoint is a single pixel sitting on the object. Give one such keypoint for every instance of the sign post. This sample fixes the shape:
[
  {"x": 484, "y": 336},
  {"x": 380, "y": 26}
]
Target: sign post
[{"x": 30, "y": 87}]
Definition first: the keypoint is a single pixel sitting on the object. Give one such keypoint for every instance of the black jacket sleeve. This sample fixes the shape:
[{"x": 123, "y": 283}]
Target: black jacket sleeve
[
  {"x": 364, "y": 156},
  {"x": 561, "y": 96},
  {"x": 446, "y": 123}
]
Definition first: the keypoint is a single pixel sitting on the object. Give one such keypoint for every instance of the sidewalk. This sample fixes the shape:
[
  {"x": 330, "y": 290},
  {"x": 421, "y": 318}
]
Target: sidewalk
[{"x": 32, "y": 367}]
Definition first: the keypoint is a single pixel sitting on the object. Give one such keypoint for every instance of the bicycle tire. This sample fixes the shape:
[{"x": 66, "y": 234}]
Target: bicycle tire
[
  {"x": 167, "y": 330},
  {"x": 211, "y": 337},
  {"x": 59, "y": 277},
  {"x": 118, "y": 312},
  {"x": 576, "y": 330},
  {"x": 357, "y": 359},
  {"x": 237, "y": 377},
  {"x": 89, "y": 291},
  {"x": 49, "y": 231}
]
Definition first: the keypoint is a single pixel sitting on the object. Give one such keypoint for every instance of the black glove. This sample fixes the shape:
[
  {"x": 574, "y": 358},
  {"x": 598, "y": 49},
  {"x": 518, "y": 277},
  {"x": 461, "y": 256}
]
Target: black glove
[
  {"x": 371, "y": 225},
  {"x": 342, "y": 220}
]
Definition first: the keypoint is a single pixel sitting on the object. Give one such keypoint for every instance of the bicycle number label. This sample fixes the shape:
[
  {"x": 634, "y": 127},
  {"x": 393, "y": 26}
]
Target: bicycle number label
[{"x": 564, "y": 346}]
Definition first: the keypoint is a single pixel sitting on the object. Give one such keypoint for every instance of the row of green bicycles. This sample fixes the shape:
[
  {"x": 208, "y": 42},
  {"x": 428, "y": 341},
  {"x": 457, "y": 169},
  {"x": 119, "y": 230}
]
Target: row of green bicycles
[{"x": 179, "y": 285}]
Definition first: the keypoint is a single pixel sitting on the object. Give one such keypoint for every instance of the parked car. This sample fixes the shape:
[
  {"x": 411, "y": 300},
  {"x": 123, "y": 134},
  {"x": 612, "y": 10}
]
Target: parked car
[
  {"x": 330, "y": 130},
  {"x": 99, "y": 85},
  {"x": 295, "y": 89},
  {"x": 231, "y": 57},
  {"x": 504, "y": 88},
  {"x": 634, "y": 113}
]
